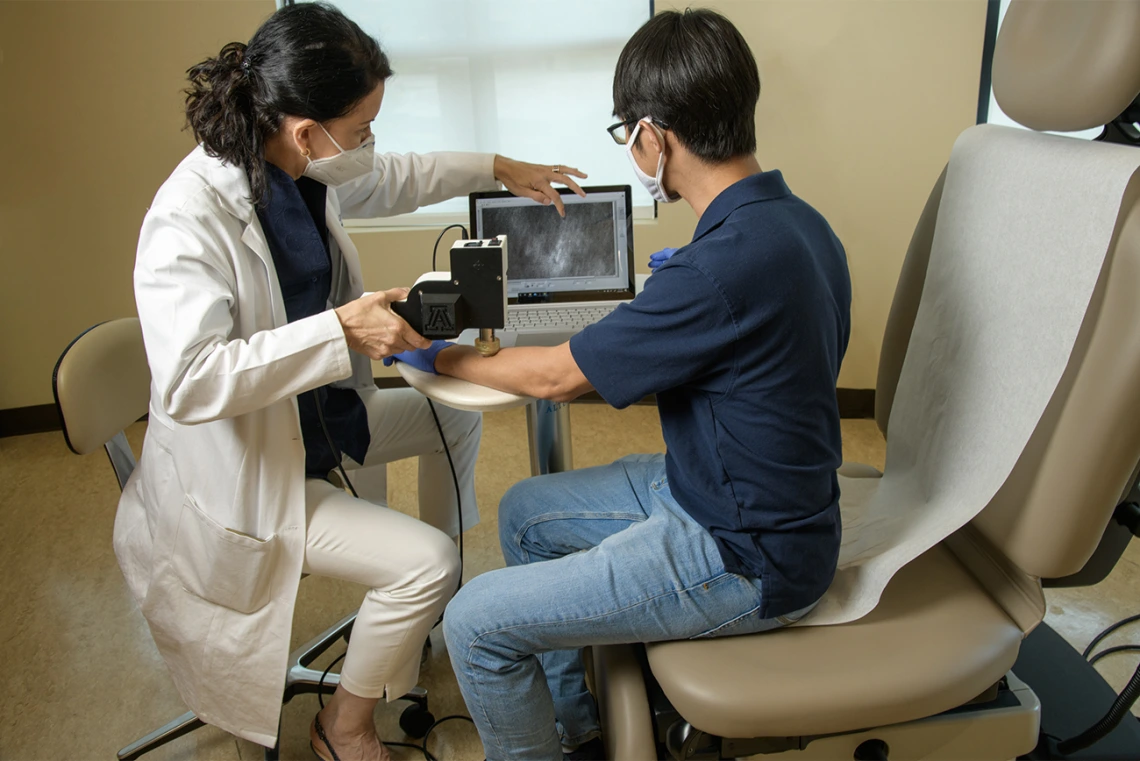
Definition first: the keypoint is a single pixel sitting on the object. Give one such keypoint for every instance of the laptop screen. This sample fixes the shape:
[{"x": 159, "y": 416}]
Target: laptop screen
[{"x": 587, "y": 254}]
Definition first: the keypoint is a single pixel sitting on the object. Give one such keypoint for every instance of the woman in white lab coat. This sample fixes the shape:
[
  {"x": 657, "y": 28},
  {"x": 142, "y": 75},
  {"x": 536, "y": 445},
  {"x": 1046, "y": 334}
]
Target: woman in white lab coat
[{"x": 259, "y": 337}]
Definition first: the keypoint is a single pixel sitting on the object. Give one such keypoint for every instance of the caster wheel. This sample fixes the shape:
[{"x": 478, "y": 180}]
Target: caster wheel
[{"x": 416, "y": 721}]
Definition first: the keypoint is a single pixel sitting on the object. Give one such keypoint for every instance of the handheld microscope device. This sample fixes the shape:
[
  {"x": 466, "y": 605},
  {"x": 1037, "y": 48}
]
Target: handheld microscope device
[{"x": 473, "y": 294}]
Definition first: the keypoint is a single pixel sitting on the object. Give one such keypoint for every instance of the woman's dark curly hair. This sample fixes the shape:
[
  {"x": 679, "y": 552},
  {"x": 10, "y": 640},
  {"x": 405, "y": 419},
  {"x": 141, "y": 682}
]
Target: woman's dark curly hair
[{"x": 307, "y": 60}]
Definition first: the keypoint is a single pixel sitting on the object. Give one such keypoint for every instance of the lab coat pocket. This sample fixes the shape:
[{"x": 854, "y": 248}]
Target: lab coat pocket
[{"x": 220, "y": 565}]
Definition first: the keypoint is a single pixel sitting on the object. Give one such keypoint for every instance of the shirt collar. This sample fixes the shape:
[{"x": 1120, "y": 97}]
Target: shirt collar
[{"x": 764, "y": 186}]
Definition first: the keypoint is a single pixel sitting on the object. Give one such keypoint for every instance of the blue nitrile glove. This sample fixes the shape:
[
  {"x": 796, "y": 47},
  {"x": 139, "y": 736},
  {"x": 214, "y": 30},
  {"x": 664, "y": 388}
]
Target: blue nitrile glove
[
  {"x": 662, "y": 256},
  {"x": 421, "y": 359}
]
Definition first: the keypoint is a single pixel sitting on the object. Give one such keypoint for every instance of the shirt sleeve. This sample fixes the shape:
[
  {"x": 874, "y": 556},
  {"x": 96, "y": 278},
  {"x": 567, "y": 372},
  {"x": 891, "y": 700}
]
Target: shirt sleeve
[{"x": 674, "y": 333}]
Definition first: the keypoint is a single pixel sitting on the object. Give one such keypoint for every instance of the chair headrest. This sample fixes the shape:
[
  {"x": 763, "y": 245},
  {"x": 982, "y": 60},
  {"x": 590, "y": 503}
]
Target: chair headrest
[{"x": 1067, "y": 65}]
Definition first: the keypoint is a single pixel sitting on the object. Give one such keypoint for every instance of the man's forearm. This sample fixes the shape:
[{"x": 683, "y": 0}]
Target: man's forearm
[{"x": 540, "y": 372}]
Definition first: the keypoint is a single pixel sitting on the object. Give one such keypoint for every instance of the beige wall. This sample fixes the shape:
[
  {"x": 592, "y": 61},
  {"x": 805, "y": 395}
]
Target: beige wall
[{"x": 861, "y": 102}]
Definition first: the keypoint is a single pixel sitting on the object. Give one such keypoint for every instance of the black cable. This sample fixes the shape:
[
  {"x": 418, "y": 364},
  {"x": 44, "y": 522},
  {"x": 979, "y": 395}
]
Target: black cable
[
  {"x": 428, "y": 756},
  {"x": 1120, "y": 709},
  {"x": 1097, "y": 639},
  {"x": 1124, "y": 701},
  {"x": 1114, "y": 651},
  {"x": 321, "y": 684},
  {"x": 435, "y": 248},
  {"x": 459, "y": 507},
  {"x": 458, "y": 494},
  {"x": 332, "y": 446}
]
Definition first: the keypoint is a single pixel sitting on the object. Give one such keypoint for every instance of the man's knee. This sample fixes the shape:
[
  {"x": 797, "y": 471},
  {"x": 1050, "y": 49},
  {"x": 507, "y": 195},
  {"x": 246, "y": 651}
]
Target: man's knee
[
  {"x": 516, "y": 508},
  {"x": 464, "y": 618}
]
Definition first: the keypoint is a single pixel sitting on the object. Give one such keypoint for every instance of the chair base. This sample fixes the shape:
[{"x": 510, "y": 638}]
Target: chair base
[
  {"x": 639, "y": 724},
  {"x": 996, "y": 730},
  {"x": 299, "y": 680}
]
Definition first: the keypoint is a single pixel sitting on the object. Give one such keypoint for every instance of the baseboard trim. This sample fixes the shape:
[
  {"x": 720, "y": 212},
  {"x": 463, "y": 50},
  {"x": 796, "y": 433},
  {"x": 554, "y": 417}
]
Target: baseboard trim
[
  {"x": 856, "y": 403},
  {"x": 38, "y": 418}
]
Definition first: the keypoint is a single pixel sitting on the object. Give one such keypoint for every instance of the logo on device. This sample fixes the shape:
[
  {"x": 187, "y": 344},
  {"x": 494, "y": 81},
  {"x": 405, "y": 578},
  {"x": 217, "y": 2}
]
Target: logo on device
[{"x": 440, "y": 319}]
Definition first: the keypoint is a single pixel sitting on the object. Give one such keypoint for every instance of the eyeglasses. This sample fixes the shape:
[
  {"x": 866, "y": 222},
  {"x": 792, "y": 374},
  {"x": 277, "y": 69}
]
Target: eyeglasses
[{"x": 621, "y": 138}]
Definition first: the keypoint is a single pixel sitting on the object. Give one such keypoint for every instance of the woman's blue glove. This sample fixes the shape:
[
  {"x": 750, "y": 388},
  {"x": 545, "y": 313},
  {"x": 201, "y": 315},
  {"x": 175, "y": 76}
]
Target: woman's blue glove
[
  {"x": 421, "y": 359},
  {"x": 662, "y": 256}
]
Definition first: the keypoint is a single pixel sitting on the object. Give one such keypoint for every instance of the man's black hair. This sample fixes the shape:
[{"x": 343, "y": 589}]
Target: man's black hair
[{"x": 692, "y": 72}]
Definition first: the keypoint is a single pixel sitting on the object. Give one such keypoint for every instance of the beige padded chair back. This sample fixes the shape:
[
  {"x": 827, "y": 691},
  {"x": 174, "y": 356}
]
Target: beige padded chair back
[
  {"x": 1058, "y": 65},
  {"x": 102, "y": 384},
  {"x": 1067, "y": 65}
]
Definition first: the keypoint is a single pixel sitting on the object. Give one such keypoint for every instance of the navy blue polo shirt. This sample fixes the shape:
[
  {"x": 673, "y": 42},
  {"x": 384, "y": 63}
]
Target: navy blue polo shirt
[
  {"x": 295, "y": 229},
  {"x": 740, "y": 335}
]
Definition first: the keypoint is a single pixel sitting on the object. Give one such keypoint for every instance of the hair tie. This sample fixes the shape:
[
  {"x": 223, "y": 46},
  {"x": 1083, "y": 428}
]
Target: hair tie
[{"x": 246, "y": 66}]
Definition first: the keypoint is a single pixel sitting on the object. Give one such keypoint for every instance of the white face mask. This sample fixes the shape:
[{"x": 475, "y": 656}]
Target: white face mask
[
  {"x": 655, "y": 185},
  {"x": 343, "y": 167}
]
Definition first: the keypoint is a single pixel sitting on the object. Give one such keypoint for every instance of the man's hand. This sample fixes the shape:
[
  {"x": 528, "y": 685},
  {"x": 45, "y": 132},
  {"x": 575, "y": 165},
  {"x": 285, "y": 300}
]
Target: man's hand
[
  {"x": 533, "y": 180},
  {"x": 421, "y": 359},
  {"x": 372, "y": 328}
]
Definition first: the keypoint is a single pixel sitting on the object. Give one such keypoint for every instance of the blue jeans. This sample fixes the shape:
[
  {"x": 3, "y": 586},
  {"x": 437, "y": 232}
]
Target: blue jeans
[{"x": 594, "y": 557}]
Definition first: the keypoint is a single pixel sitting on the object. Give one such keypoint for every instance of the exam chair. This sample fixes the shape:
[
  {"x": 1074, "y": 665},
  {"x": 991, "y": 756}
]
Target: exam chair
[
  {"x": 102, "y": 385},
  {"x": 928, "y": 673}
]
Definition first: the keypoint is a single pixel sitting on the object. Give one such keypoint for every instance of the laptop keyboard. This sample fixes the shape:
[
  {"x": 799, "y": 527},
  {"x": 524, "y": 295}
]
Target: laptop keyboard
[{"x": 538, "y": 318}]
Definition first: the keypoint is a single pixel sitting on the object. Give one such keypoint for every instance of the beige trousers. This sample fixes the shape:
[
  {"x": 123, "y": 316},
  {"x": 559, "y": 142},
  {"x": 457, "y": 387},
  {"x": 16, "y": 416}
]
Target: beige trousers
[{"x": 412, "y": 567}]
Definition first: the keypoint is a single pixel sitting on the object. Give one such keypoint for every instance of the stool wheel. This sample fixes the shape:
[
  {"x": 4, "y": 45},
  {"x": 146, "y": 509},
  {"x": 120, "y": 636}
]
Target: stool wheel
[{"x": 416, "y": 720}]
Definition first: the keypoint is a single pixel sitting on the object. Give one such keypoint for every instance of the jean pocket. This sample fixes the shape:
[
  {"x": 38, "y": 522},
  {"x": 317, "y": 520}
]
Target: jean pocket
[{"x": 220, "y": 565}]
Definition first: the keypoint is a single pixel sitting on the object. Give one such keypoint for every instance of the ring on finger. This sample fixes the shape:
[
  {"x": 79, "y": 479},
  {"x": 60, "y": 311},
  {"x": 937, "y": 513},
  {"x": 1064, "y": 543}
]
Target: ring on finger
[{"x": 557, "y": 169}]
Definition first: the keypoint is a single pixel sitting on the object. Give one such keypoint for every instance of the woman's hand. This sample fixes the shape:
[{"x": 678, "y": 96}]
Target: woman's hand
[
  {"x": 372, "y": 328},
  {"x": 533, "y": 180}
]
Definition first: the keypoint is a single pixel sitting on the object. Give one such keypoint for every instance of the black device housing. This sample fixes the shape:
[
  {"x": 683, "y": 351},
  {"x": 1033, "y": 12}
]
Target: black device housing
[{"x": 474, "y": 297}]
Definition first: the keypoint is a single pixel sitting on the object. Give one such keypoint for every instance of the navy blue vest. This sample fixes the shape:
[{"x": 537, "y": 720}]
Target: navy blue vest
[{"x": 298, "y": 237}]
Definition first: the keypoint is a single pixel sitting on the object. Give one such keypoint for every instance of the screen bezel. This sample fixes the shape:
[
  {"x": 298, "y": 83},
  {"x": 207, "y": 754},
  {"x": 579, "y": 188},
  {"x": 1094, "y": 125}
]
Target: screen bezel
[{"x": 603, "y": 295}]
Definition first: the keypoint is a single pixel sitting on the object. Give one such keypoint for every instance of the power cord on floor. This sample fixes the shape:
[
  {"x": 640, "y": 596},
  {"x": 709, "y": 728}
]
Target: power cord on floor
[
  {"x": 422, "y": 747},
  {"x": 457, "y": 717},
  {"x": 1107, "y": 631}
]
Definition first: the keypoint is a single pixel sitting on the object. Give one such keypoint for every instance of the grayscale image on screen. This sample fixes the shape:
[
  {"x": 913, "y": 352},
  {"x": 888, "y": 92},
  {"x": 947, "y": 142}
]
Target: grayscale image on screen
[{"x": 541, "y": 245}]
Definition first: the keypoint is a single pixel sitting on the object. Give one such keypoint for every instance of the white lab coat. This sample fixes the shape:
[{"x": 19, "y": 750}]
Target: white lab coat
[{"x": 210, "y": 531}]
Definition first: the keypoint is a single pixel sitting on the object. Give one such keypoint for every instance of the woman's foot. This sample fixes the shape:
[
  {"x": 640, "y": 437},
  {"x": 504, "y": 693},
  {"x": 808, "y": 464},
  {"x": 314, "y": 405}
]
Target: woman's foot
[{"x": 344, "y": 744}]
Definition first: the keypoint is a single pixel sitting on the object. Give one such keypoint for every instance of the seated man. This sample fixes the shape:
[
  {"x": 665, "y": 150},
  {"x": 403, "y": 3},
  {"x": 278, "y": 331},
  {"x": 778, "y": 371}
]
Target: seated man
[{"x": 740, "y": 335}]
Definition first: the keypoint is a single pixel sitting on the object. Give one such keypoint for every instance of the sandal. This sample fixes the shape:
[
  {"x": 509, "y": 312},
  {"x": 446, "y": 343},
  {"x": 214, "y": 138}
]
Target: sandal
[{"x": 324, "y": 739}]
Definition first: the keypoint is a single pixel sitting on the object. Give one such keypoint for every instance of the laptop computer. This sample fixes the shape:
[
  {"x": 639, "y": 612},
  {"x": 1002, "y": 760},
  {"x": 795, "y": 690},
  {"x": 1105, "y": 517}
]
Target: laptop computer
[{"x": 562, "y": 274}]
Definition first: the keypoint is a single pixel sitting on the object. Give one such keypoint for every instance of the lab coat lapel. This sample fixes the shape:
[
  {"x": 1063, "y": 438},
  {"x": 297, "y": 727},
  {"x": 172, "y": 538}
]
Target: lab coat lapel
[
  {"x": 232, "y": 186},
  {"x": 254, "y": 238},
  {"x": 351, "y": 282}
]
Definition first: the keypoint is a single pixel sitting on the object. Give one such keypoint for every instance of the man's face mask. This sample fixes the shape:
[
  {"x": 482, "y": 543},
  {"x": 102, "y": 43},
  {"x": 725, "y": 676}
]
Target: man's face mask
[
  {"x": 343, "y": 167},
  {"x": 655, "y": 185}
]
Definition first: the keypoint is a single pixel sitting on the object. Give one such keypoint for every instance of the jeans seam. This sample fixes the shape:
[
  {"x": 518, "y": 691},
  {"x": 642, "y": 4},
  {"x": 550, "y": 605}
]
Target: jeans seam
[
  {"x": 548, "y": 517},
  {"x": 686, "y": 590},
  {"x": 730, "y": 622}
]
